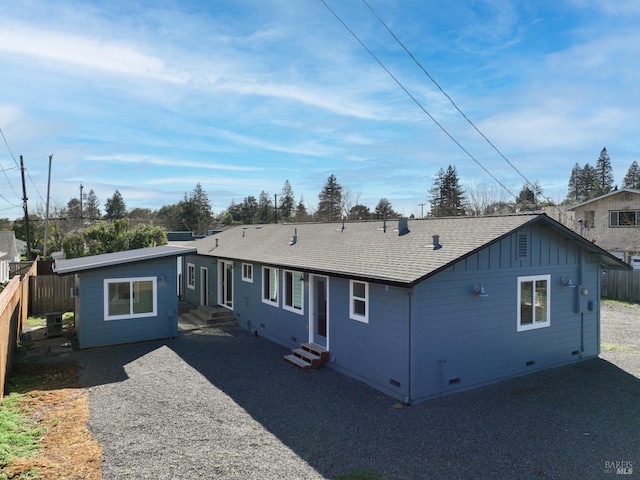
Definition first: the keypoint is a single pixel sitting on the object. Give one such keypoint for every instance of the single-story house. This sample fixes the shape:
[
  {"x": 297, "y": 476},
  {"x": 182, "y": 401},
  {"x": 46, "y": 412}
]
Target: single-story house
[
  {"x": 419, "y": 309},
  {"x": 125, "y": 296}
]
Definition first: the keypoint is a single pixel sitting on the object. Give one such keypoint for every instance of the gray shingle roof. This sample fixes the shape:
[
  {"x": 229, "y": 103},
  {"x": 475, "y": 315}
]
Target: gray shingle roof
[
  {"x": 364, "y": 250},
  {"x": 92, "y": 262}
]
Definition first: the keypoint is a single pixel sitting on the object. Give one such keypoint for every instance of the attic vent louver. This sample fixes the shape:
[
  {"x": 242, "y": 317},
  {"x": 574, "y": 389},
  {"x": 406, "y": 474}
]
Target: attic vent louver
[
  {"x": 523, "y": 246},
  {"x": 436, "y": 242},
  {"x": 403, "y": 226}
]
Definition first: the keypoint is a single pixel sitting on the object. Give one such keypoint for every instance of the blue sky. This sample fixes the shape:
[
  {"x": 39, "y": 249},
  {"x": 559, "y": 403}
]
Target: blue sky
[{"x": 152, "y": 97}]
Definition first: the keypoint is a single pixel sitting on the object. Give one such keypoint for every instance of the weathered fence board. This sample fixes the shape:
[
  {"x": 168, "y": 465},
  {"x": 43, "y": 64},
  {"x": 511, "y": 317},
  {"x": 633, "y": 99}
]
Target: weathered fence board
[
  {"x": 50, "y": 293},
  {"x": 622, "y": 285},
  {"x": 14, "y": 301}
]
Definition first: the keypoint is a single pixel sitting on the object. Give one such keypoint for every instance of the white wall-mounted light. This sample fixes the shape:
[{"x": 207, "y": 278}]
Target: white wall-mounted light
[
  {"x": 479, "y": 290},
  {"x": 567, "y": 282}
]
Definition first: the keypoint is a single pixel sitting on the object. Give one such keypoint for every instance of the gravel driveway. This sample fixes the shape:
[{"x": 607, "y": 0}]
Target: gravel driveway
[{"x": 225, "y": 405}]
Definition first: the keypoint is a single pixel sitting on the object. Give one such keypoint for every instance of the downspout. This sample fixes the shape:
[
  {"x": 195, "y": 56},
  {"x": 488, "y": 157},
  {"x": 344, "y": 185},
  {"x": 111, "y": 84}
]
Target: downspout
[
  {"x": 409, "y": 397},
  {"x": 579, "y": 300}
]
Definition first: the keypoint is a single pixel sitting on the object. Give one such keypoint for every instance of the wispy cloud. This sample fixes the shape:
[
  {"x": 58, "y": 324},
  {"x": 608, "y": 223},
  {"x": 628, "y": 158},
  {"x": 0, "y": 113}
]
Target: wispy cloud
[{"x": 170, "y": 162}]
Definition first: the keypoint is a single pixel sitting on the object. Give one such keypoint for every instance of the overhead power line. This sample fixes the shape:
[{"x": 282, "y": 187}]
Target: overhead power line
[
  {"x": 415, "y": 100},
  {"x": 424, "y": 70},
  {"x": 4, "y": 171}
]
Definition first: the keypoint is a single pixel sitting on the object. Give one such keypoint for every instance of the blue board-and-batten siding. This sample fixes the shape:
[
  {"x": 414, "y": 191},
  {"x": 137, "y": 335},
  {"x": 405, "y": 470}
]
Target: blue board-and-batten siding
[
  {"x": 93, "y": 330},
  {"x": 460, "y": 341}
]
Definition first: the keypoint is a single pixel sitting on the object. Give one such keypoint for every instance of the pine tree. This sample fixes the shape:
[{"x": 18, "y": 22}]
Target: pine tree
[
  {"x": 330, "y": 201},
  {"x": 92, "y": 209},
  {"x": 115, "y": 207},
  {"x": 301, "y": 211},
  {"x": 384, "y": 209},
  {"x": 604, "y": 175},
  {"x": 632, "y": 178},
  {"x": 265, "y": 208},
  {"x": 447, "y": 196},
  {"x": 287, "y": 203},
  {"x": 573, "y": 194},
  {"x": 588, "y": 184}
]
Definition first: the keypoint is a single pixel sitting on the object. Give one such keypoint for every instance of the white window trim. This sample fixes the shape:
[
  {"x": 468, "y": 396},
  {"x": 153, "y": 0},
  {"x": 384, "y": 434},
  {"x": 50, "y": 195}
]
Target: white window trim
[
  {"x": 247, "y": 278},
  {"x": 154, "y": 287},
  {"x": 352, "y": 314},
  {"x": 295, "y": 277},
  {"x": 268, "y": 301},
  {"x": 191, "y": 267},
  {"x": 534, "y": 325}
]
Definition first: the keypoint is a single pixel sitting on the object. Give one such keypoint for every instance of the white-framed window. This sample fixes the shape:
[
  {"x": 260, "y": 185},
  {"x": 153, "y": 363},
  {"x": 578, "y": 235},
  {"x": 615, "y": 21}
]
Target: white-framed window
[
  {"x": 191, "y": 276},
  {"x": 270, "y": 285},
  {"x": 130, "y": 298},
  {"x": 293, "y": 291},
  {"x": 534, "y": 302},
  {"x": 624, "y": 218},
  {"x": 247, "y": 272},
  {"x": 359, "y": 301}
]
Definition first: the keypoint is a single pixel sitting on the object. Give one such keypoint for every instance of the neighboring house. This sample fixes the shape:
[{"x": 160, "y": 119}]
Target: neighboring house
[
  {"x": 125, "y": 296},
  {"x": 611, "y": 221},
  {"x": 8, "y": 253},
  {"x": 417, "y": 310}
]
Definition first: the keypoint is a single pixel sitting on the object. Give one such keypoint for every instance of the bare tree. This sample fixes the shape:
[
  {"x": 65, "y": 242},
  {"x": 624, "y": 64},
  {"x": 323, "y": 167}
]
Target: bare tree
[{"x": 488, "y": 199}]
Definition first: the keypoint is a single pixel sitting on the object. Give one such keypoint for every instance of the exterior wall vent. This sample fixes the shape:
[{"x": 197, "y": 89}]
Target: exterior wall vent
[
  {"x": 522, "y": 247},
  {"x": 395, "y": 383},
  {"x": 530, "y": 363},
  {"x": 453, "y": 381}
]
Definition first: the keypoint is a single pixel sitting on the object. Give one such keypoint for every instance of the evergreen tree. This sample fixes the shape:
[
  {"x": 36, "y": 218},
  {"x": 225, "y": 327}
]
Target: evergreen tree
[
  {"x": 92, "y": 208},
  {"x": 249, "y": 210},
  {"x": 115, "y": 207},
  {"x": 286, "y": 205},
  {"x": 330, "y": 201},
  {"x": 384, "y": 209},
  {"x": 301, "y": 214},
  {"x": 447, "y": 196},
  {"x": 359, "y": 212},
  {"x": 265, "y": 208},
  {"x": 604, "y": 175},
  {"x": 588, "y": 183},
  {"x": 195, "y": 211},
  {"x": 632, "y": 178},
  {"x": 575, "y": 179}
]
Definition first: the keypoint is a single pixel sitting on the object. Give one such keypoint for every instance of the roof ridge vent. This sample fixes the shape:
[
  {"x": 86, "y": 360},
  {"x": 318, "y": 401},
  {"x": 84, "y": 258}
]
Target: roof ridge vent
[
  {"x": 403, "y": 226},
  {"x": 436, "y": 242}
]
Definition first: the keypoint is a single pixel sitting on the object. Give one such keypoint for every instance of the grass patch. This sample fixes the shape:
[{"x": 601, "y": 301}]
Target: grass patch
[
  {"x": 18, "y": 438},
  {"x": 35, "y": 321},
  {"x": 361, "y": 474}
]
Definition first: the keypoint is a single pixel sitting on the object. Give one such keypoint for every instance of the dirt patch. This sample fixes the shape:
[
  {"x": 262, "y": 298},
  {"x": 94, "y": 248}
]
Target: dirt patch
[{"x": 56, "y": 402}]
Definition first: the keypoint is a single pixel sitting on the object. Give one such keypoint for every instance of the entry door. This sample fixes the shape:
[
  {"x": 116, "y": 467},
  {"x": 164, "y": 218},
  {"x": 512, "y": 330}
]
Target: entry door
[
  {"x": 225, "y": 284},
  {"x": 319, "y": 312},
  {"x": 204, "y": 286}
]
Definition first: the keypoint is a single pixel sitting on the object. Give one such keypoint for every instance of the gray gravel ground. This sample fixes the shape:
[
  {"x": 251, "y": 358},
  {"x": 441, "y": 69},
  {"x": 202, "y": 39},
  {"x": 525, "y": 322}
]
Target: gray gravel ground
[{"x": 213, "y": 404}]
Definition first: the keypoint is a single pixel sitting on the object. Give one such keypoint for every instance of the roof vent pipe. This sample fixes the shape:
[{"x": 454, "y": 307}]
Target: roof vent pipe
[
  {"x": 384, "y": 223},
  {"x": 294, "y": 240},
  {"x": 436, "y": 242},
  {"x": 217, "y": 242},
  {"x": 403, "y": 226}
]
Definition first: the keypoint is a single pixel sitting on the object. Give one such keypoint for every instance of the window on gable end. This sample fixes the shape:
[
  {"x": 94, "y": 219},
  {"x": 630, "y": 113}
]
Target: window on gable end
[{"x": 534, "y": 302}]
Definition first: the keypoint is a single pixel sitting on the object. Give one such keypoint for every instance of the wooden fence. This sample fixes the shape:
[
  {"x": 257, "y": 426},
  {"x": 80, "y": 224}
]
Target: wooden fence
[
  {"x": 50, "y": 293},
  {"x": 14, "y": 304},
  {"x": 622, "y": 285}
]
